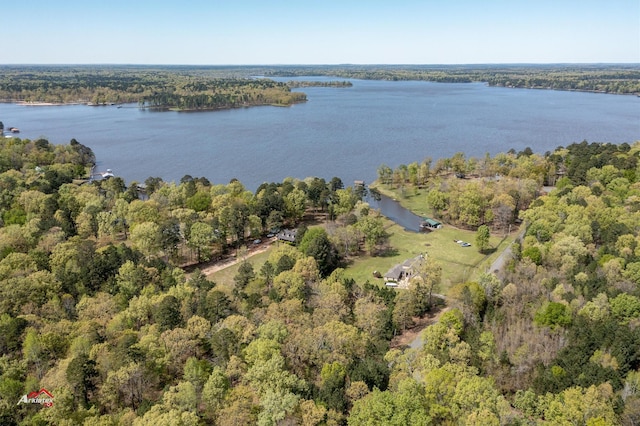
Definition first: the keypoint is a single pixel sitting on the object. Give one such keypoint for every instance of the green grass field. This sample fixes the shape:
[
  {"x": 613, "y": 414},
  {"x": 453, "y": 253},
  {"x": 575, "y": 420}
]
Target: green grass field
[
  {"x": 459, "y": 264},
  {"x": 413, "y": 199}
]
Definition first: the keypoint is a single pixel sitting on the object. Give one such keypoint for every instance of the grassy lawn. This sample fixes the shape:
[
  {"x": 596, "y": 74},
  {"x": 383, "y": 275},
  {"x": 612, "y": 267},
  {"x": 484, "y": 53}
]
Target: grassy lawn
[
  {"x": 459, "y": 264},
  {"x": 224, "y": 277},
  {"x": 413, "y": 199}
]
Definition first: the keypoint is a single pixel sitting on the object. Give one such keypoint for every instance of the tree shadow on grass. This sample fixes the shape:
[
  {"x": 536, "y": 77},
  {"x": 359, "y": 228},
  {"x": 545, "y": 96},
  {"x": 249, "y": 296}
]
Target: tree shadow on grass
[
  {"x": 388, "y": 252},
  {"x": 345, "y": 263}
]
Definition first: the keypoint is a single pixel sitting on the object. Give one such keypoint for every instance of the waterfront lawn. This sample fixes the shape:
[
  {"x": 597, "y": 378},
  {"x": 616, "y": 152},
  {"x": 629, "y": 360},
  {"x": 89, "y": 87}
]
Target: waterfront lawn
[
  {"x": 413, "y": 199},
  {"x": 459, "y": 264}
]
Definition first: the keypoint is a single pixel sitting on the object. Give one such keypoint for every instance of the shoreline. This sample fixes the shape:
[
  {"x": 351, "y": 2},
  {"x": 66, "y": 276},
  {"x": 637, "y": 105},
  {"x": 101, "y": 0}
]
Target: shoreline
[
  {"x": 38, "y": 103},
  {"x": 157, "y": 108}
]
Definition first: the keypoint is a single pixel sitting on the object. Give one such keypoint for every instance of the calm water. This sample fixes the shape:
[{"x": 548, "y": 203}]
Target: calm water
[
  {"x": 345, "y": 132},
  {"x": 394, "y": 211}
]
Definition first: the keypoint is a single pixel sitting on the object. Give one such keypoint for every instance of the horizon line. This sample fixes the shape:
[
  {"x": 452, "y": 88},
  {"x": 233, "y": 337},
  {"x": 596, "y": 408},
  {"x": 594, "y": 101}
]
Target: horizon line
[{"x": 317, "y": 64}]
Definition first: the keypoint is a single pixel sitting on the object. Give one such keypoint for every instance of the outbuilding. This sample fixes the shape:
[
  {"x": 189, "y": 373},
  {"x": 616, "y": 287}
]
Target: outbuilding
[{"x": 430, "y": 224}]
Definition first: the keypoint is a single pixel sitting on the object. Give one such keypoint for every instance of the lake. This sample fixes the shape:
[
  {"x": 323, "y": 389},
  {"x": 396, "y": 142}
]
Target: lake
[{"x": 344, "y": 132}]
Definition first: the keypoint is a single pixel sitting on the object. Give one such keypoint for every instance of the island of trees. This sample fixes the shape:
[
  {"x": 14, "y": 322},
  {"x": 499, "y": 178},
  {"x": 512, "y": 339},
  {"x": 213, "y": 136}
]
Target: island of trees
[
  {"x": 173, "y": 88},
  {"x": 105, "y": 302},
  {"x": 305, "y": 83}
]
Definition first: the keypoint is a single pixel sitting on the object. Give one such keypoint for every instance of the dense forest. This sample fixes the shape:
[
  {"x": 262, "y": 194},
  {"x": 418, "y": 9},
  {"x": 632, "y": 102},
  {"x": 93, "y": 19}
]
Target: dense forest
[{"x": 103, "y": 305}]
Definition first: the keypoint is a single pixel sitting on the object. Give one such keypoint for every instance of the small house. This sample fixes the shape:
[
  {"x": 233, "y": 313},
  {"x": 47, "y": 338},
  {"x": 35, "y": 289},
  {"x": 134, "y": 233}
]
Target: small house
[
  {"x": 288, "y": 235},
  {"x": 400, "y": 274}
]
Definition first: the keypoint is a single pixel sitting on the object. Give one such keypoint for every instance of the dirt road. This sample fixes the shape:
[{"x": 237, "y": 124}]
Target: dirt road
[
  {"x": 413, "y": 337},
  {"x": 218, "y": 265}
]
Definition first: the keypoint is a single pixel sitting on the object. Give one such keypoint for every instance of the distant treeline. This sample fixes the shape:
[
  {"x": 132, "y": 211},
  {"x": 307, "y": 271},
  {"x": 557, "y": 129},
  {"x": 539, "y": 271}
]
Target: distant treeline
[
  {"x": 618, "y": 79},
  {"x": 216, "y": 87},
  {"x": 296, "y": 84}
]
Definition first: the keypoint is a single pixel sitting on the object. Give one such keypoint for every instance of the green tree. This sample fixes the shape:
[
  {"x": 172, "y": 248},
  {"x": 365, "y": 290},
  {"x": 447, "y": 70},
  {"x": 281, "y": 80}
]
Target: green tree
[
  {"x": 167, "y": 314},
  {"x": 625, "y": 307},
  {"x": 131, "y": 279},
  {"x": 200, "y": 238},
  {"x": 403, "y": 310},
  {"x": 553, "y": 315},
  {"x": 577, "y": 405},
  {"x": 272, "y": 375},
  {"x": 199, "y": 202},
  {"x": 295, "y": 204},
  {"x": 372, "y": 228},
  {"x": 214, "y": 391},
  {"x": 217, "y": 306},
  {"x": 197, "y": 371},
  {"x": 11, "y": 330},
  {"x": 125, "y": 386},
  {"x": 316, "y": 243},
  {"x": 372, "y": 317},
  {"x": 290, "y": 285},
  {"x": 385, "y": 174},
  {"x": 244, "y": 276},
  {"x": 146, "y": 237},
  {"x": 152, "y": 184},
  {"x": 429, "y": 277},
  {"x": 82, "y": 375},
  {"x": 407, "y": 406},
  {"x": 482, "y": 238},
  {"x": 346, "y": 201},
  {"x": 332, "y": 388}
]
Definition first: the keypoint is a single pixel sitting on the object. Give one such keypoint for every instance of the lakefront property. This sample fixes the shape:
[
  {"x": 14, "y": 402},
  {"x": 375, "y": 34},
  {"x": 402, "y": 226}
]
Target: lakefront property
[{"x": 179, "y": 306}]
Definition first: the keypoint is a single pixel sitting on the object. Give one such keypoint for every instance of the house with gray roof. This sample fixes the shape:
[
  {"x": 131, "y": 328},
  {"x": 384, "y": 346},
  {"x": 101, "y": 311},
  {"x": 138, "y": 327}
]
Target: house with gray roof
[
  {"x": 401, "y": 274},
  {"x": 288, "y": 235}
]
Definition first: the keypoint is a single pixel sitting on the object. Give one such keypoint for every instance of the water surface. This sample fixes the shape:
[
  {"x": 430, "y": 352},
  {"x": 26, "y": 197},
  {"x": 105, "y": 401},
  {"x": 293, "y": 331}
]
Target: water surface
[{"x": 345, "y": 132}]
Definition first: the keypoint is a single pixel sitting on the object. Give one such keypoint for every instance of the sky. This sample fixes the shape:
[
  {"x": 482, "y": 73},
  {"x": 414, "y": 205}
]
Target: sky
[{"x": 249, "y": 32}]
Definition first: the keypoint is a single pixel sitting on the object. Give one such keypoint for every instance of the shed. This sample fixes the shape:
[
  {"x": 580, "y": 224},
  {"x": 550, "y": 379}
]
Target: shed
[{"x": 430, "y": 224}]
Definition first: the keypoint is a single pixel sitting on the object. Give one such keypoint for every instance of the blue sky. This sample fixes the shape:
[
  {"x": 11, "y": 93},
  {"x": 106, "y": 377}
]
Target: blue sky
[{"x": 247, "y": 32}]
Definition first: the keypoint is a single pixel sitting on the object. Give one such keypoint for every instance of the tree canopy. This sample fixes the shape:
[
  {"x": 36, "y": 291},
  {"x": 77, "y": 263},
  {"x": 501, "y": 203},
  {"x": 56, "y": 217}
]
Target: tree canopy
[{"x": 102, "y": 304}]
